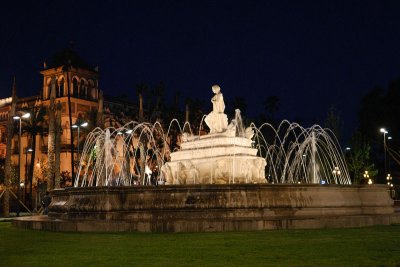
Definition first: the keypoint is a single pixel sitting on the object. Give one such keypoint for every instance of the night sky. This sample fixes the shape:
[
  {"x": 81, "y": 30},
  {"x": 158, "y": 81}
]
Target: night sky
[{"x": 311, "y": 54}]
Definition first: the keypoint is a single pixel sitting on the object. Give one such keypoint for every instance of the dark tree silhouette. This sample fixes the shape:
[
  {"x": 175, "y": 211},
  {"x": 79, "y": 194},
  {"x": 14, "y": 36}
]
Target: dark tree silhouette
[
  {"x": 271, "y": 106},
  {"x": 35, "y": 125}
]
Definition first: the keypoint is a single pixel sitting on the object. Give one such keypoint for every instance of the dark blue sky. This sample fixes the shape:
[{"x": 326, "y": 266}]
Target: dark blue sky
[{"x": 311, "y": 54}]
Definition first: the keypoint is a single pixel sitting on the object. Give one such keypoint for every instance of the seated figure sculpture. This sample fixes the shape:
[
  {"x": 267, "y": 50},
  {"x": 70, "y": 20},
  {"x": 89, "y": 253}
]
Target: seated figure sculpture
[{"x": 217, "y": 120}]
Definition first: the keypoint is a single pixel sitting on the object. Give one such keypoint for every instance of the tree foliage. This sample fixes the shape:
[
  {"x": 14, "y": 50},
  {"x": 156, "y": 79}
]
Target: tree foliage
[
  {"x": 271, "y": 106},
  {"x": 334, "y": 123},
  {"x": 358, "y": 158},
  {"x": 380, "y": 108}
]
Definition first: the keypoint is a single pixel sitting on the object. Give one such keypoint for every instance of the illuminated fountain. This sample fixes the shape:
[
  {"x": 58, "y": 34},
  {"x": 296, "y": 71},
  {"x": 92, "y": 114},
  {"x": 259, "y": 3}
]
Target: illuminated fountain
[
  {"x": 233, "y": 178},
  {"x": 229, "y": 154},
  {"x": 302, "y": 155}
]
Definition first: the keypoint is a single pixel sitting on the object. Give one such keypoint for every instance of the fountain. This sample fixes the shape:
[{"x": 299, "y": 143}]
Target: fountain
[{"x": 233, "y": 178}]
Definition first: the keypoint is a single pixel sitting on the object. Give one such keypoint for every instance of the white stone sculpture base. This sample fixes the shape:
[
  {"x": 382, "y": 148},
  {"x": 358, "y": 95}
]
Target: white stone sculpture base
[{"x": 215, "y": 159}]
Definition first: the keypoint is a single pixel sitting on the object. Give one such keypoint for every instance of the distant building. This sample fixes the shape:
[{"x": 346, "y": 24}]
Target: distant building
[{"x": 66, "y": 72}]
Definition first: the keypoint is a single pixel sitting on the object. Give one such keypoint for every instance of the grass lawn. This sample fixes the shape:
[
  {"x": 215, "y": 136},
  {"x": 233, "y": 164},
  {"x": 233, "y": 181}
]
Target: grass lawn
[{"x": 371, "y": 246}]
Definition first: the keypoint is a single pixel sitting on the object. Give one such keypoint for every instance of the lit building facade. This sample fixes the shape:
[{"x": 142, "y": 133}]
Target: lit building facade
[{"x": 68, "y": 74}]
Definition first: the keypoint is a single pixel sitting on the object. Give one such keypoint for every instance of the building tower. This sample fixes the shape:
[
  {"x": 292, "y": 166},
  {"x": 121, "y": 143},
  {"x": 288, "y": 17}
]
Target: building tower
[{"x": 76, "y": 86}]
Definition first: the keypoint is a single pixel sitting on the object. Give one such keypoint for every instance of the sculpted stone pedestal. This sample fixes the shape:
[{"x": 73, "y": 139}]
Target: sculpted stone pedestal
[{"x": 215, "y": 159}]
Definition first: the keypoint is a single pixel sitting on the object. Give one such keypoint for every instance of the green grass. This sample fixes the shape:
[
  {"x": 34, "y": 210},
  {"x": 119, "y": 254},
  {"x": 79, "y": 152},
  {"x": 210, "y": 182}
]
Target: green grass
[{"x": 371, "y": 246}]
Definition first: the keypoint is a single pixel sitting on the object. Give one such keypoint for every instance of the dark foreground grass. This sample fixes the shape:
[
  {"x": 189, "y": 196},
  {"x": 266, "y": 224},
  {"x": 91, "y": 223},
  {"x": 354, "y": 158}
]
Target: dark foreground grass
[{"x": 371, "y": 246}]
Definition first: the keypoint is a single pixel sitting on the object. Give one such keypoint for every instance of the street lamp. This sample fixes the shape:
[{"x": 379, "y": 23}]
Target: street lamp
[
  {"x": 366, "y": 176},
  {"x": 384, "y": 131},
  {"x": 28, "y": 150},
  {"x": 389, "y": 179},
  {"x": 76, "y": 126},
  {"x": 336, "y": 172},
  {"x": 25, "y": 116},
  {"x": 389, "y": 183},
  {"x": 389, "y": 138}
]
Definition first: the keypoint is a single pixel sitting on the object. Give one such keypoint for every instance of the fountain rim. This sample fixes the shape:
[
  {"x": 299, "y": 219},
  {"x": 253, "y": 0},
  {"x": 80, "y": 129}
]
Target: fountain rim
[{"x": 222, "y": 187}]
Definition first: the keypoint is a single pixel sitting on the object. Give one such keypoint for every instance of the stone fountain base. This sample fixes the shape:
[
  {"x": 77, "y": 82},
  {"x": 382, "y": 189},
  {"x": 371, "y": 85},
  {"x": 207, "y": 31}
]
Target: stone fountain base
[{"x": 207, "y": 208}]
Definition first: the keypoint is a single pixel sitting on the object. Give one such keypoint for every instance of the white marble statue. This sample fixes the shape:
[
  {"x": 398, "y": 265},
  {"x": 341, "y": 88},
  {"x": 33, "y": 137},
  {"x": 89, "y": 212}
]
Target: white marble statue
[
  {"x": 217, "y": 120},
  {"x": 225, "y": 155}
]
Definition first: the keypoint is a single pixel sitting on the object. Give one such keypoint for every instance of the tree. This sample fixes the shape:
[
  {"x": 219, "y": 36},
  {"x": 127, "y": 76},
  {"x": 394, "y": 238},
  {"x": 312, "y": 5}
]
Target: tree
[
  {"x": 358, "y": 159},
  {"x": 333, "y": 122},
  {"x": 380, "y": 108},
  {"x": 8, "y": 170},
  {"x": 51, "y": 138},
  {"x": 2, "y": 164},
  {"x": 58, "y": 133},
  {"x": 66, "y": 69},
  {"x": 175, "y": 112},
  {"x": 156, "y": 100},
  {"x": 66, "y": 179},
  {"x": 196, "y": 107},
  {"x": 35, "y": 125},
  {"x": 99, "y": 121},
  {"x": 140, "y": 90},
  {"x": 271, "y": 106},
  {"x": 371, "y": 114}
]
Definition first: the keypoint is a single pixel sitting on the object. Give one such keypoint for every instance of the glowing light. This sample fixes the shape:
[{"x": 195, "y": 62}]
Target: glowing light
[{"x": 336, "y": 171}]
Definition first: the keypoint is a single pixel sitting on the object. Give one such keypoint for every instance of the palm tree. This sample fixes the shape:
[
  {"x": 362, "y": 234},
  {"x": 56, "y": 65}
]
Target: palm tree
[
  {"x": 271, "y": 105},
  {"x": 141, "y": 89},
  {"x": 66, "y": 70},
  {"x": 158, "y": 105},
  {"x": 99, "y": 116},
  {"x": 35, "y": 125},
  {"x": 10, "y": 132},
  {"x": 51, "y": 138},
  {"x": 58, "y": 133}
]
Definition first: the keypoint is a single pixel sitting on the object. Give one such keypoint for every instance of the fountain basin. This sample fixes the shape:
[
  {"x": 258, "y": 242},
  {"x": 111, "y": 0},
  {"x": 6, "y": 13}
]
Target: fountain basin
[{"x": 207, "y": 208}]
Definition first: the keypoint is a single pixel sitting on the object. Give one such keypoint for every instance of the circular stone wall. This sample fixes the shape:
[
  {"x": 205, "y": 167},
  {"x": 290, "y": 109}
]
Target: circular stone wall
[{"x": 198, "y": 208}]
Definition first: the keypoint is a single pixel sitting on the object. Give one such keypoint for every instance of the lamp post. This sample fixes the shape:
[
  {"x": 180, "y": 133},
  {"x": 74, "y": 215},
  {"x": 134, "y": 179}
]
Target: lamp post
[
  {"x": 366, "y": 177},
  {"x": 389, "y": 183},
  {"x": 389, "y": 138},
  {"x": 389, "y": 179},
  {"x": 28, "y": 150},
  {"x": 78, "y": 126},
  {"x": 25, "y": 116},
  {"x": 384, "y": 131},
  {"x": 336, "y": 172}
]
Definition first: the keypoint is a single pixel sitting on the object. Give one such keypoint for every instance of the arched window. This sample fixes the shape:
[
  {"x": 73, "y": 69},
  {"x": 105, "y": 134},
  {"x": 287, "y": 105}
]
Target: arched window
[
  {"x": 82, "y": 91},
  {"x": 57, "y": 87},
  {"x": 91, "y": 90},
  {"x": 61, "y": 87},
  {"x": 75, "y": 87},
  {"x": 47, "y": 90}
]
